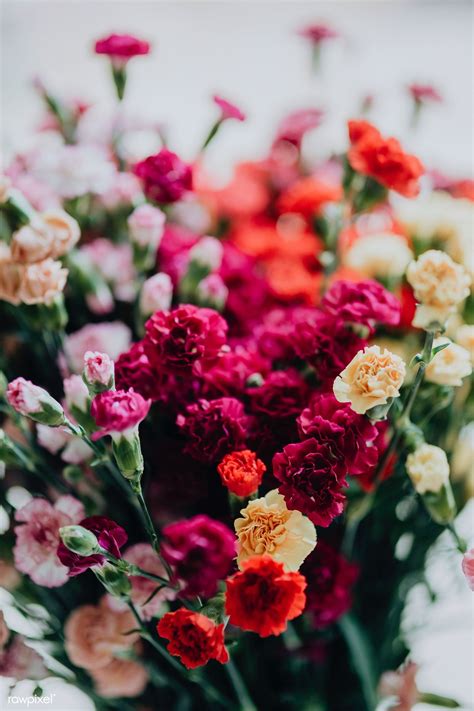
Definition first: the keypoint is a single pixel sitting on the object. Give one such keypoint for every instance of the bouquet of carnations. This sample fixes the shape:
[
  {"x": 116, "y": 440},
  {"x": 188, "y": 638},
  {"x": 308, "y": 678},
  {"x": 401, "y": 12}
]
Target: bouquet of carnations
[{"x": 229, "y": 413}]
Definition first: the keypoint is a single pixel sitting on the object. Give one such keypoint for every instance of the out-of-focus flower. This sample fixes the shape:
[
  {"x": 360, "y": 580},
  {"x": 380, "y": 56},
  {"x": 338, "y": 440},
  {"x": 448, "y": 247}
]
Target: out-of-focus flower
[
  {"x": 120, "y": 678},
  {"x": 9, "y": 576},
  {"x": 263, "y": 597},
  {"x": 37, "y": 538},
  {"x": 42, "y": 282},
  {"x": 22, "y": 662},
  {"x": 156, "y": 294},
  {"x": 379, "y": 255},
  {"x": 35, "y": 402},
  {"x": 402, "y": 684},
  {"x": 121, "y": 48},
  {"x": 424, "y": 93},
  {"x": 31, "y": 243},
  {"x": 383, "y": 159},
  {"x": 241, "y": 472},
  {"x": 10, "y": 276},
  {"x": 268, "y": 526},
  {"x": 465, "y": 338},
  {"x": 428, "y": 468},
  {"x": 98, "y": 371},
  {"x": 228, "y": 110},
  {"x": 372, "y": 378},
  {"x": 5, "y": 185},
  {"x": 110, "y": 536},
  {"x": 143, "y": 555},
  {"x": 76, "y": 394},
  {"x": 207, "y": 252},
  {"x": 4, "y": 632},
  {"x": 165, "y": 177},
  {"x": 114, "y": 262},
  {"x": 212, "y": 292},
  {"x": 468, "y": 567},
  {"x": 124, "y": 190},
  {"x": 201, "y": 551},
  {"x": 64, "y": 229},
  {"x": 213, "y": 428},
  {"x": 296, "y": 125},
  {"x": 309, "y": 481},
  {"x": 193, "y": 637},
  {"x": 112, "y": 338},
  {"x": 450, "y": 365},
  {"x": 318, "y": 32},
  {"x": 146, "y": 225},
  {"x": 364, "y": 302},
  {"x": 116, "y": 411},
  {"x": 307, "y": 197},
  {"x": 330, "y": 577},
  {"x": 439, "y": 285},
  {"x": 133, "y": 370}
]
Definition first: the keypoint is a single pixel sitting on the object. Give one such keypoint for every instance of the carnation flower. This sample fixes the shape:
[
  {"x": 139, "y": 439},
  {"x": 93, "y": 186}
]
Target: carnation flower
[
  {"x": 117, "y": 411},
  {"x": 439, "y": 285},
  {"x": 424, "y": 92},
  {"x": 114, "y": 262},
  {"x": 110, "y": 536},
  {"x": 213, "y": 428},
  {"x": 193, "y": 637},
  {"x": 64, "y": 229},
  {"x": 318, "y": 33},
  {"x": 307, "y": 197},
  {"x": 428, "y": 468},
  {"x": 379, "y": 255},
  {"x": 468, "y": 567},
  {"x": 465, "y": 338},
  {"x": 363, "y": 302},
  {"x": 402, "y": 684},
  {"x": 281, "y": 396},
  {"x": 228, "y": 110},
  {"x": 98, "y": 370},
  {"x": 230, "y": 374},
  {"x": 201, "y": 551},
  {"x": 330, "y": 578},
  {"x": 450, "y": 365},
  {"x": 42, "y": 282},
  {"x": 165, "y": 177},
  {"x": 146, "y": 225},
  {"x": 212, "y": 292},
  {"x": 35, "y": 402},
  {"x": 76, "y": 394},
  {"x": 207, "y": 252},
  {"x": 121, "y": 48},
  {"x": 112, "y": 338},
  {"x": 268, "y": 526},
  {"x": 4, "y": 632},
  {"x": 241, "y": 472},
  {"x": 133, "y": 371},
  {"x": 156, "y": 294},
  {"x": 263, "y": 597},
  {"x": 296, "y": 125},
  {"x": 19, "y": 661},
  {"x": 120, "y": 678},
  {"x": 372, "y": 378},
  {"x": 31, "y": 243},
  {"x": 187, "y": 338},
  {"x": 349, "y": 437},
  {"x": 383, "y": 159},
  {"x": 37, "y": 538},
  {"x": 309, "y": 481}
]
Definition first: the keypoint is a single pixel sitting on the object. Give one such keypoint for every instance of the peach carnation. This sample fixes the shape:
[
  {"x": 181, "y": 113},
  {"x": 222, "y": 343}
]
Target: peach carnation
[
  {"x": 42, "y": 282},
  {"x": 121, "y": 677},
  {"x": 64, "y": 229},
  {"x": 31, "y": 243}
]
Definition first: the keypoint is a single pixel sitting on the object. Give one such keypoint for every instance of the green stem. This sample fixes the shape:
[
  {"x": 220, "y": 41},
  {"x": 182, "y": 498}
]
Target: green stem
[
  {"x": 437, "y": 700},
  {"x": 245, "y": 701},
  {"x": 460, "y": 542}
]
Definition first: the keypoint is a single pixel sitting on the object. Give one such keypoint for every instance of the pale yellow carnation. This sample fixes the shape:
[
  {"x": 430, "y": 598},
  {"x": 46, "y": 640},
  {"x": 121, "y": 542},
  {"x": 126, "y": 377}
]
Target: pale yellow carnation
[
  {"x": 450, "y": 365},
  {"x": 465, "y": 338},
  {"x": 42, "y": 282},
  {"x": 379, "y": 255},
  {"x": 439, "y": 285},
  {"x": 268, "y": 526},
  {"x": 428, "y": 468},
  {"x": 372, "y": 377}
]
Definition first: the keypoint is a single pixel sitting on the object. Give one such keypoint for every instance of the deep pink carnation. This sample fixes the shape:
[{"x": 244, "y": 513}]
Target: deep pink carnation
[
  {"x": 294, "y": 127},
  {"x": 274, "y": 335},
  {"x": 350, "y": 438},
  {"x": 330, "y": 577},
  {"x": 214, "y": 428},
  {"x": 111, "y": 537},
  {"x": 165, "y": 177},
  {"x": 230, "y": 374},
  {"x": 365, "y": 302},
  {"x": 118, "y": 410},
  {"x": 133, "y": 371},
  {"x": 228, "y": 110},
  {"x": 201, "y": 551},
  {"x": 122, "y": 46},
  {"x": 424, "y": 92},
  {"x": 187, "y": 338},
  {"x": 282, "y": 395},
  {"x": 309, "y": 481}
]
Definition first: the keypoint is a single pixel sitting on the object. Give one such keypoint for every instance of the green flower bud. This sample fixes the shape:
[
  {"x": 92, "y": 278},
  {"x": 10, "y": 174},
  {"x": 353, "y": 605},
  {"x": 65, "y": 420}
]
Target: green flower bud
[
  {"x": 114, "y": 580},
  {"x": 79, "y": 540},
  {"x": 128, "y": 454}
]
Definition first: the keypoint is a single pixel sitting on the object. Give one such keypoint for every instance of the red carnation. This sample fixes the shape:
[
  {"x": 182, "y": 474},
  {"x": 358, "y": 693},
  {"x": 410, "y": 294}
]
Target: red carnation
[
  {"x": 110, "y": 536},
  {"x": 165, "y": 177},
  {"x": 193, "y": 637},
  {"x": 187, "y": 338},
  {"x": 117, "y": 411},
  {"x": 213, "y": 428},
  {"x": 241, "y": 472},
  {"x": 262, "y": 597},
  {"x": 121, "y": 47},
  {"x": 330, "y": 577},
  {"x": 383, "y": 159},
  {"x": 364, "y": 302},
  {"x": 310, "y": 480}
]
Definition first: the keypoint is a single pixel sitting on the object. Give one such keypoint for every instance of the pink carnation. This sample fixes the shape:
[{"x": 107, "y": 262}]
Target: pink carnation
[
  {"x": 98, "y": 368},
  {"x": 318, "y": 33},
  {"x": 133, "y": 371},
  {"x": 294, "y": 127},
  {"x": 228, "y": 110},
  {"x": 201, "y": 551},
  {"x": 117, "y": 411},
  {"x": 112, "y": 338},
  {"x": 468, "y": 567},
  {"x": 213, "y": 428},
  {"x": 424, "y": 92},
  {"x": 364, "y": 302},
  {"x": 165, "y": 177},
  {"x": 187, "y": 338},
  {"x": 20, "y": 661},
  {"x": 122, "y": 47},
  {"x": 230, "y": 373},
  {"x": 156, "y": 294},
  {"x": 146, "y": 225},
  {"x": 25, "y": 397},
  {"x": 110, "y": 535},
  {"x": 37, "y": 538}
]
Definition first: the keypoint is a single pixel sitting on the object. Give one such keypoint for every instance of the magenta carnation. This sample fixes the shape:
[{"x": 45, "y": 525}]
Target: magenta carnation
[
  {"x": 282, "y": 395},
  {"x": 121, "y": 46},
  {"x": 133, "y": 371},
  {"x": 330, "y": 578},
  {"x": 309, "y": 481},
  {"x": 228, "y": 110},
  {"x": 165, "y": 177},
  {"x": 230, "y": 374},
  {"x": 201, "y": 551},
  {"x": 348, "y": 436},
  {"x": 110, "y": 536},
  {"x": 318, "y": 33},
  {"x": 187, "y": 338},
  {"x": 118, "y": 410},
  {"x": 294, "y": 127},
  {"x": 214, "y": 428},
  {"x": 364, "y": 302}
]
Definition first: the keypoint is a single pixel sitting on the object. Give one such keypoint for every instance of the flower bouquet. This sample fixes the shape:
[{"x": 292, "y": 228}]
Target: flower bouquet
[{"x": 229, "y": 413}]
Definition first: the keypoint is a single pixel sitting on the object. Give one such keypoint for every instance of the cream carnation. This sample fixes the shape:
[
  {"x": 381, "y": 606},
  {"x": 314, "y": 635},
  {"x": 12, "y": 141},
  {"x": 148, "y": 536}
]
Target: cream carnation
[
  {"x": 428, "y": 468},
  {"x": 10, "y": 276},
  {"x": 379, "y": 255},
  {"x": 439, "y": 285},
  {"x": 450, "y": 365},
  {"x": 32, "y": 243},
  {"x": 371, "y": 378},
  {"x": 64, "y": 230},
  {"x": 465, "y": 338},
  {"x": 268, "y": 526},
  {"x": 42, "y": 282}
]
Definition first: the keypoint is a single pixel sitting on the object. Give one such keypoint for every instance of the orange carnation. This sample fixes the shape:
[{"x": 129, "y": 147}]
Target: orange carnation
[
  {"x": 241, "y": 472},
  {"x": 307, "y": 196}
]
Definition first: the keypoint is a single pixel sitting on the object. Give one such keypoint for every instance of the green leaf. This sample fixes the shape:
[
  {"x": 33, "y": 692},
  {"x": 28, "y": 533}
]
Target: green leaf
[{"x": 361, "y": 657}]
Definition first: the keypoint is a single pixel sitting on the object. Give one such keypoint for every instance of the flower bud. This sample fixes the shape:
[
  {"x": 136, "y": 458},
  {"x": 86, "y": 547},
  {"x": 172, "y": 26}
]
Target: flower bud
[
  {"x": 146, "y": 225},
  {"x": 428, "y": 468},
  {"x": 156, "y": 294},
  {"x": 79, "y": 540},
  {"x": 98, "y": 372},
  {"x": 128, "y": 453},
  {"x": 441, "y": 505},
  {"x": 34, "y": 402},
  {"x": 115, "y": 581},
  {"x": 212, "y": 292},
  {"x": 77, "y": 399},
  {"x": 207, "y": 253}
]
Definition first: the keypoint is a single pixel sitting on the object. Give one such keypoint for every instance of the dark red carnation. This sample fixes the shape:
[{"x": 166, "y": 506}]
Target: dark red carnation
[
  {"x": 122, "y": 47},
  {"x": 193, "y": 637},
  {"x": 330, "y": 577},
  {"x": 282, "y": 395},
  {"x": 262, "y": 597},
  {"x": 365, "y": 302},
  {"x": 111, "y": 537},
  {"x": 186, "y": 339},
  {"x": 165, "y": 177},
  {"x": 214, "y": 428},
  {"x": 310, "y": 481}
]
